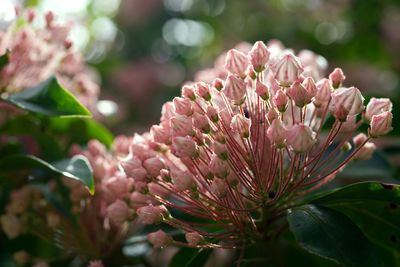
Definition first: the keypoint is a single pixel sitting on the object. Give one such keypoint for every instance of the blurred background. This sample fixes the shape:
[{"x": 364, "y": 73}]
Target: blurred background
[{"x": 144, "y": 50}]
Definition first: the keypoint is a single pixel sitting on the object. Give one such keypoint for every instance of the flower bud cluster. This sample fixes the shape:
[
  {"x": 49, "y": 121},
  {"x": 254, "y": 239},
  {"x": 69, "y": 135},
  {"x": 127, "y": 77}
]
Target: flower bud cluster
[
  {"x": 37, "y": 53},
  {"x": 251, "y": 138}
]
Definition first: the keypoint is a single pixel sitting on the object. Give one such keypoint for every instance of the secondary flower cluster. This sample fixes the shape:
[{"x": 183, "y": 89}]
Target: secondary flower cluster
[
  {"x": 98, "y": 224},
  {"x": 231, "y": 155},
  {"x": 36, "y": 53}
]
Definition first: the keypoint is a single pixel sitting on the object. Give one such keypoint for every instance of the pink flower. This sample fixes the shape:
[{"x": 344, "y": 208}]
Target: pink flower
[
  {"x": 181, "y": 126},
  {"x": 218, "y": 187},
  {"x": 337, "y": 77},
  {"x": 381, "y": 124},
  {"x": 159, "y": 239},
  {"x": 235, "y": 89},
  {"x": 299, "y": 94},
  {"x": 11, "y": 225},
  {"x": 310, "y": 86},
  {"x": 219, "y": 167},
  {"x": 241, "y": 125},
  {"x": 376, "y": 106},
  {"x": 161, "y": 134},
  {"x": 203, "y": 90},
  {"x": 153, "y": 166},
  {"x": 300, "y": 137},
  {"x": 237, "y": 62},
  {"x": 262, "y": 90},
  {"x": 277, "y": 133},
  {"x": 259, "y": 56},
  {"x": 349, "y": 98},
  {"x": 184, "y": 147},
  {"x": 194, "y": 238},
  {"x": 365, "y": 152},
  {"x": 182, "y": 180},
  {"x": 188, "y": 92},
  {"x": 280, "y": 100},
  {"x": 323, "y": 95},
  {"x": 218, "y": 84},
  {"x": 287, "y": 69},
  {"x": 183, "y": 106},
  {"x": 118, "y": 212},
  {"x": 200, "y": 121},
  {"x": 152, "y": 214},
  {"x": 95, "y": 263}
]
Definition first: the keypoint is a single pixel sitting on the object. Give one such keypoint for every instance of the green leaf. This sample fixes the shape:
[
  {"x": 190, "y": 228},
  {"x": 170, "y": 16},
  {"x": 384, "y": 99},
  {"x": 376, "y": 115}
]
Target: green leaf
[
  {"x": 332, "y": 235},
  {"x": 81, "y": 130},
  {"x": 374, "y": 207},
  {"x": 190, "y": 257},
  {"x": 51, "y": 99},
  {"x": 4, "y": 59},
  {"x": 77, "y": 168}
]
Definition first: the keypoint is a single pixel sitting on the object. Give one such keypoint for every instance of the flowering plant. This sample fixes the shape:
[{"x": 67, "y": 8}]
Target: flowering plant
[{"x": 241, "y": 162}]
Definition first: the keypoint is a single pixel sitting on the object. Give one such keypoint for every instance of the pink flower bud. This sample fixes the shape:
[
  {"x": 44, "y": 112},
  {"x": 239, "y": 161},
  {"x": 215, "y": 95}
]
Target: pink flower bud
[
  {"x": 310, "y": 86},
  {"x": 219, "y": 167},
  {"x": 49, "y": 17},
  {"x": 366, "y": 151},
  {"x": 212, "y": 114},
  {"x": 381, "y": 124},
  {"x": 280, "y": 100},
  {"x": 11, "y": 225},
  {"x": 218, "y": 187},
  {"x": 241, "y": 125},
  {"x": 188, "y": 92},
  {"x": 271, "y": 115},
  {"x": 203, "y": 90},
  {"x": 262, "y": 90},
  {"x": 340, "y": 113},
  {"x": 323, "y": 94},
  {"x": 299, "y": 94},
  {"x": 183, "y": 106},
  {"x": 184, "y": 147},
  {"x": 182, "y": 180},
  {"x": 118, "y": 212},
  {"x": 251, "y": 73},
  {"x": 376, "y": 106},
  {"x": 153, "y": 166},
  {"x": 220, "y": 150},
  {"x": 167, "y": 111},
  {"x": 277, "y": 133},
  {"x": 161, "y": 134},
  {"x": 117, "y": 184},
  {"x": 236, "y": 62},
  {"x": 218, "y": 84},
  {"x": 200, "y": 121},
  {"x": 259, "y": 56},
  {"x": 359, "y": 139},
  {"x": 194, "y": 238},
  {"x": 337, "y": 77},
  {"x": 152, "y": 214},
  {"x": 96, "y": 149},
  {"x": 287, "y": 69},
  {"x": 350, "y": 98},
  {"x": 95, "y": 264},
  {"x": 300, "y": 137},
  {"x": 131, "y": 162},
  {"x": 181, "y": 126},
  {"x": 159, "y": 239},
  {"x": 235, "y": 89},
  {"x": 21, "y": 257}
]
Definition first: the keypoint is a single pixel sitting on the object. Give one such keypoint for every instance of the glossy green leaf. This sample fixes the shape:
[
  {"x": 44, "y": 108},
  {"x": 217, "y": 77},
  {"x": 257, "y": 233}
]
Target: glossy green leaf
[
  {"x": 81, "y": 130},
  {"x": 77, "y": 167},
  {"x": 4, "y": 59},
  {"x": 374, "y": 207},
  {"x": 49, "y": 98},
  {"x": 190, "y": 257},
  {"x": 332, "y": 235}
]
